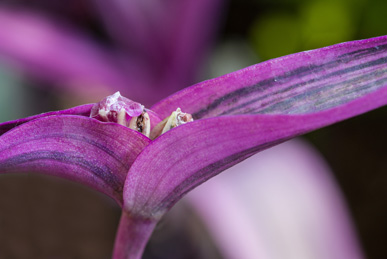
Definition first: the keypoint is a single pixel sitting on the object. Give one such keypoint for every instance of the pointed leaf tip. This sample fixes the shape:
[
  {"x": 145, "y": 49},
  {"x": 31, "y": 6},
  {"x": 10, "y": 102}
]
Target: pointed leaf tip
[
  {"x": 300, "y": 83},
  {"x": 186, "y": 156},
  {"x": 83, "y": 110},
  {"x": 263, "y": 105}
]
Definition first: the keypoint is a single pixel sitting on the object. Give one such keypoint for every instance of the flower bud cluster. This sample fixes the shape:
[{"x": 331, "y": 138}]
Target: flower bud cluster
[{"x": 118, "y": 109}]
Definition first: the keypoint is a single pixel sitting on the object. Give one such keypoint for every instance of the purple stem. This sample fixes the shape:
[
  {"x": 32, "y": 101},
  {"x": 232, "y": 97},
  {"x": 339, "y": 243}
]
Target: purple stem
[{"x": 132, "y": 236}]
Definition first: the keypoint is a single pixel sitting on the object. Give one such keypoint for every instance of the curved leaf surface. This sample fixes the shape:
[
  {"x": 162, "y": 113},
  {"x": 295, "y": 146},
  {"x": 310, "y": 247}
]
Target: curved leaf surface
[
  {"x": 188, "y": 155},
  {"x": 305, "y": 82},
  {"x": 82, "y": 149},
  {"x": 83, "y": 110}
]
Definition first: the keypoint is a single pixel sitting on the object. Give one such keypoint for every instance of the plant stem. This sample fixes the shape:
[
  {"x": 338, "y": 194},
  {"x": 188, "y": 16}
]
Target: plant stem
[{"x": 132, "y": 235}]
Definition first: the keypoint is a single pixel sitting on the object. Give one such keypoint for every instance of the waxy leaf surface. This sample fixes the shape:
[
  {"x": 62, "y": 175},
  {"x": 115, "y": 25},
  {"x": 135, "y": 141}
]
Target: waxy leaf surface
[
  {"x": 300, "y": 83},
  {"x": 78, "y": 148},
  {"x": 245, "y": 112}
]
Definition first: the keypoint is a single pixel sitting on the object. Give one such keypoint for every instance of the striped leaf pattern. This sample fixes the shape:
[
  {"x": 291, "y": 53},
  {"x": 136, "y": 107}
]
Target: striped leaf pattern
[
  {"x": 245, "y": 112},
  {"x": 301, "y": 83}
]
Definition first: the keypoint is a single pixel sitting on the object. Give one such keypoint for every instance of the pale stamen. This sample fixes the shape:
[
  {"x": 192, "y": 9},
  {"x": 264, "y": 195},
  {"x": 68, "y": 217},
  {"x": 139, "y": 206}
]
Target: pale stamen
[{"x": 176, "y": 118}]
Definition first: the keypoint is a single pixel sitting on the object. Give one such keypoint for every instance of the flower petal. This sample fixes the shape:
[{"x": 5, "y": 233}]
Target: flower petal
[
  {"x": 301, "y": 83},
  {"x": 83, "y": 110},
  {"x": 74, "y": 147},
  {"x": 190, "y": 154}
]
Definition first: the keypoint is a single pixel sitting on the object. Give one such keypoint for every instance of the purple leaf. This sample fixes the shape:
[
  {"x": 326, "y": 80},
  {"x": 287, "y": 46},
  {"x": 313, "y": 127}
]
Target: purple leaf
[
  {"x": 165, "y": 32},
  {"x": 236, "y": 116},
  {"x": 172, "y": 37},
  {"x": 301, "y": 83},
  {"x": 58, "y": 54},
  {"x": 269, "y": 103},
  {"x": 164, "y": 43},
  {"x": 267, "y": 201},
  {"x": 83, "y": 110},
  {"x": 82, "y": 149},
  {"x": 141, "y": 20}
]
